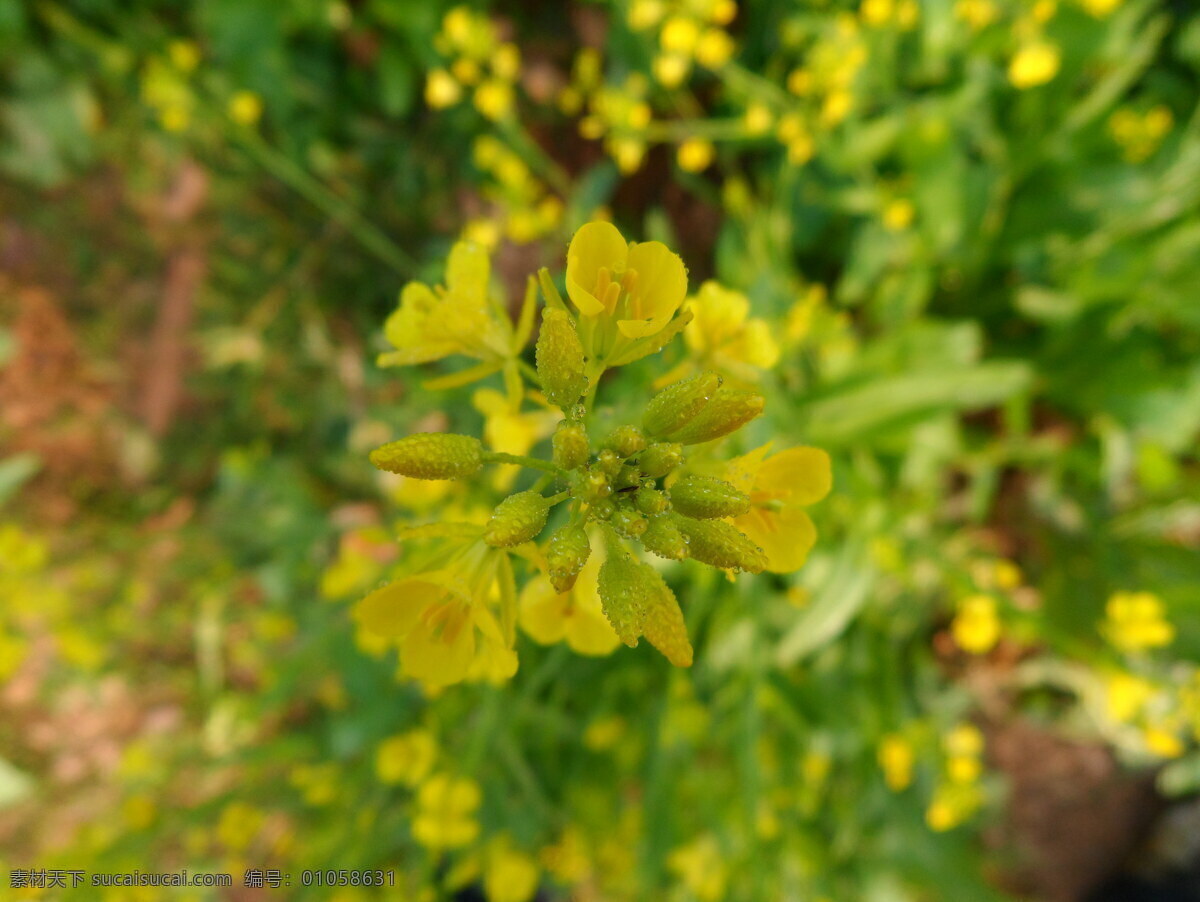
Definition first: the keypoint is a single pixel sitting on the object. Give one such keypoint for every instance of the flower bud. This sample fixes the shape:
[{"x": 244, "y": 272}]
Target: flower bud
[
  {"x": 431, "y": 455},
  {"x": 624, "y": 587},
  {"x": 650, "y": 501},
  {"x": 728, "y": 410},
  {"x": 566, "y": 553},
  {"x": 660, "y": 458},
  {"x": 676, "y": 405},
  {"x": 626, "y": 441},
  {"x": 569, "y": 445},
  {"x": 591, "y": 485},
  {"x": 627, "y": 477},
  {"x": 663, "y": 624},
  {"x": 608, "y": 462},
  {"x": 705, "y": 498},
  {"x": 720, "y": 544},
  {"x": 559, "y": 356},
  {"x": 602, "y": 509},
  {"x": 516, "y": 519},
  {"x": 628, "y": 522},
  {"x": 662, "y": 537}
]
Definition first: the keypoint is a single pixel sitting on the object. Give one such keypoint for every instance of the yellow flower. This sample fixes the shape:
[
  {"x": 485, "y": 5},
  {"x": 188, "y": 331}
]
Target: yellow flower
[
  {"x": 432, "y": 323},
  {"x": 433, "y": 619},
  {"x": 185, "y": 55},
  {"x": 574, "y": 616},
  {"x": 441, "y": 89},
  {"x": 1162, "y": 743},
  {"x": 1135, "y": 621},
  {"x": 407, "y": 758},
  {"x": 679, "y": 35},
  {"x": 509, "y": 875},
  {"x": 715, "y": 48},
  {"x": 506, "y": 61},
  {"x": 245, "y": 108},
  {"x": 1034, "y": 64},
  {"x": 494, "y": 98},
  {"x": 976, "y": 626},
  {"x": 898, "y": 214},
  {"x": 1100, "y": 8},
  {"x": 695, "y": 155},
  {"x": 604, "y": 733},
  {"x": 876, "y": 12},
  {"x": 670, "y": 69},
  {"x": 758, "y": 118},
  {"x": 779, "y": 487},
  {"x": 978, "y": 14},
  {"x": 239, "y": 826},
  {"x": 635, "y": 287},
  {"x": 952, "y": 803},
  {"x": 701, "y": 867},
  {"x": 723, "y": 336},
  {"x": 896, "y": 759},
  {"x": 1125, "y": 695},
  {"x": 445, "y": 817},
  {"x": 568, "y": 860},
  {"x": 645, "y": 14}
]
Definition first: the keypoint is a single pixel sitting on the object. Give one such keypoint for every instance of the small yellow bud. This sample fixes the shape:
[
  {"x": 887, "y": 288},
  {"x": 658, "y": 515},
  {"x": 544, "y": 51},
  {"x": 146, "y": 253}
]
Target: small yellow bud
[
  {"x": 695, "y": 155},
  {"x": 719, "y": 544},
  {"x": 677, "y": 404},
  {"x": 559, "y": 356},
  {"x": 624, "y": 587},
  {"x": 662, "y": 537},
  {"x": 660, "y": 459},
  {"x": 566, "y": 553},
  {"x": 431, "y": 455},
  {"x": 705, "y": 498},
  {"x": 569, "y": 445},
  {"x": 626, "y": 441},
  {"x": 516, "y": 519},
  {"x": 728, "y": 410}
]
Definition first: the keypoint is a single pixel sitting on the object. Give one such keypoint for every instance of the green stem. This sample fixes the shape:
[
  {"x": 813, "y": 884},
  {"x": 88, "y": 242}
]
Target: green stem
[
  {"x": 530, "y": 373},
  {"x": 501, "y": 457}
]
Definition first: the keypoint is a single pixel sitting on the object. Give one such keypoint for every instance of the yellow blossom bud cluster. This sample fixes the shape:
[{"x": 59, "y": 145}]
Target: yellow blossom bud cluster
[
  {"x": 478, "y": 61},
  {"x": 1139, "y": 135},
  {"x": 958, "y": 794},
  {"x": 625, "y": 485},
  {"x": 688, "y": 33},
  {"x": 527, "y": 209}
]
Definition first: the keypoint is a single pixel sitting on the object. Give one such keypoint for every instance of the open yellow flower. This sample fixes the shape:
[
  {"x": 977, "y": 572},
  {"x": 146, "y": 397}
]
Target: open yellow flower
[
  {"x": 723, "y": 336},
  {"x": 446, "y": 809},
  {"x": 636, "y": 287},
  {"x": 432, "y": 323},
  {"x": 780, "y": 487},
  {"x": 433, "y": 619},
  {"x": 574, "y": 616},
  {"x": 1135, "y": 621}
]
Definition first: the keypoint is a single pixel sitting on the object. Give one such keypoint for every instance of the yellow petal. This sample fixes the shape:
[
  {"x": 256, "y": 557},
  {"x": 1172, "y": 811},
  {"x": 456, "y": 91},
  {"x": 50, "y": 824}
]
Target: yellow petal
[
  {"x": 786, "y": 535},
  {"x": 595, "y": 245},
  {"x": 801, "y": 475},
  {"x": 392, "y": 610},
  {"x": 590, "y": 633},
  {"x": 442, "y": 656},
  {"x": 467, "y": 271},
  {"x": 542, "y": 610},
  {"x": 660, "y": 289}
]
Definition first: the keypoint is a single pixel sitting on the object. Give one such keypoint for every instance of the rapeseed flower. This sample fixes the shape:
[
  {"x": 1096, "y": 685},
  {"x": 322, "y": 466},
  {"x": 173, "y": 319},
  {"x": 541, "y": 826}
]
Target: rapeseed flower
[
  {"x": 896, "y": 758},
  {"x": 701, "y": 868},
  {"x": 1034, "y": 64},
  {"x": 407, "y": 758},
  {"x": 722, "y": 336},
  {"x": 574, "y": 616},
  {"x": 780, "y": 486},
  {"x": 976, "y": 626},
  {"x": 623, "y": 291},
  {"x": 445, "y": 817},
  {"x": 509, "y": 875},
  {"x": 1135, "y": 621}
]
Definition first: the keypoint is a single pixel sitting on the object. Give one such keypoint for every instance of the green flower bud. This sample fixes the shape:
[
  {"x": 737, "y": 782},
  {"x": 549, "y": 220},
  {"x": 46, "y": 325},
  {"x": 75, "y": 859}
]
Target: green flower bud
[
  {"x": 719, "y": 544},
  {"x": 431, "y": 455},
  {"x": 650, "y": 501},
  {"x": 662, "y": 537},
  {"x": 627, "y": 478},
  {"x": 728, "y": 410},
  {"x": 559, "y": 356},
  {"x": 608, "y": 462},
  {"x": 628, "y": 522},
  {"x": 626, "y": 441},
  {"x": 603, "y": 509},
  {"x": 591, "y": 485},
  {"x": 566, "y": 553},
  {"x": 660, "y": 458},
  {"x": 663, "y": 624},
  {"x": 570, "y": 445},
  {"x": 676, "y": 405},
  {"x": 624, "y": 587},
  {"x": 705, "y": 498},
  {"x": 516, "y": 519}
]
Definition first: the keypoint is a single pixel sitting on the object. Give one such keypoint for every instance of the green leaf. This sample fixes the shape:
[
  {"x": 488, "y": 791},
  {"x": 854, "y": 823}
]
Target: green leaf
[{"x": 833, "y": 607}]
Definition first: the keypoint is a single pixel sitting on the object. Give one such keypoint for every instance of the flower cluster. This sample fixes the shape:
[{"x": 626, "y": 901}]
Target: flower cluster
[{"x": 601, "y": 491}]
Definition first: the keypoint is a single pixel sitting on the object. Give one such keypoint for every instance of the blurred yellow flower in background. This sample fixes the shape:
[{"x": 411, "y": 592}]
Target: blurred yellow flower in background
[
  {"x": 445, "y": 817},
  {"x": 574, "y": 616},
  {"x": 1135, "y": 621},
  {"x": 976, "y": 626},
  {"x": 1034, "y": 64},
  {"x": 407, "y": 758},
  {"x": 896, "y": 758}
]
